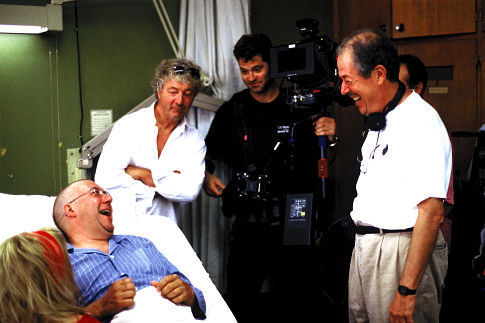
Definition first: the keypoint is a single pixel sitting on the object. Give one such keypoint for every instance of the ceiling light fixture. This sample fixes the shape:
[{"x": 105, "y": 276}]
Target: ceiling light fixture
[{"x": 19, "y": 19}]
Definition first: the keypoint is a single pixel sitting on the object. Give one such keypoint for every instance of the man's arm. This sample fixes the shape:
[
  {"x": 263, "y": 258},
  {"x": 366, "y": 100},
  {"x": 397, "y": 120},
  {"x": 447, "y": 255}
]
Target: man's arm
[
  {"x": 179, "y": 175},
  {"x": 175, "y": 285},
  {"x": 430, "y": 216},
  {"x": 119, "y": 296},
  {"x": 140, "y": 174},
  {"x": 325, "y": 126},
  {"x": 173, "y": 288},
  {"x": 213, "y": 186}
]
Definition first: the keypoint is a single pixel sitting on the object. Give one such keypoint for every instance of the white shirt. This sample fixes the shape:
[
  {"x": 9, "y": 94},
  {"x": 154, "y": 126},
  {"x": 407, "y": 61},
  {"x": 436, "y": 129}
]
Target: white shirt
[
  {"x": 402, "y": 165},
  {"x": 178, "y": 172}
]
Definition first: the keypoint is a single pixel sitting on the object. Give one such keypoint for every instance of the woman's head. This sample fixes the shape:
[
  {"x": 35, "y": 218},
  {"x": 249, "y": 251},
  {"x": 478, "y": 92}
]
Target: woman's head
[{"x": 36, "y": 280}]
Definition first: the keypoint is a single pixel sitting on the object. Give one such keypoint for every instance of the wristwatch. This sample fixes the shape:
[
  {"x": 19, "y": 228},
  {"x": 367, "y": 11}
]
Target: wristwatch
[{"x": 404, "y": 291}]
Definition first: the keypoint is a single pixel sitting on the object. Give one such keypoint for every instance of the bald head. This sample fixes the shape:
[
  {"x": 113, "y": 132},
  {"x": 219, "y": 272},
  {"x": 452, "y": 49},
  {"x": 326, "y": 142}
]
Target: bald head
[
  {"x": 64, "y": 197},
  {"x": 83, "y": 212}
]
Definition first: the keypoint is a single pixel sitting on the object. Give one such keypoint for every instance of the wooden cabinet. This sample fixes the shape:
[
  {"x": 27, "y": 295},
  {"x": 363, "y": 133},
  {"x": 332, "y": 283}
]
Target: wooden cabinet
[
  {"x": 480, "y": 13},
  {"x": 481, "y": 61},
  {"x": 415, "y": 18},
  {"x": 455, "y": 99},
  {"x": 351, "y": 15},
  {"x": 443, "y": 34}
]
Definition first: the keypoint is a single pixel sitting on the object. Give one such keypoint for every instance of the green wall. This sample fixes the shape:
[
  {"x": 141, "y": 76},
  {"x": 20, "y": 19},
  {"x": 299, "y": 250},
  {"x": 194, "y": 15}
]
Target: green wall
[{"x": 121, "y": 42}]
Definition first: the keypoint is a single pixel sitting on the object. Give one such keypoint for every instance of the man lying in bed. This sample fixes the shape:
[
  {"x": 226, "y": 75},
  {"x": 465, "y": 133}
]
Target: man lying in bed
[{"x": 108, "y": 268}]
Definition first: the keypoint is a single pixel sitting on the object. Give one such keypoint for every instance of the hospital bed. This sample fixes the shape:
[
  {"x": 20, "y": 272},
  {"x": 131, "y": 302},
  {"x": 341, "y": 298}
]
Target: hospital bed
[{"x": 31, "y": 212}]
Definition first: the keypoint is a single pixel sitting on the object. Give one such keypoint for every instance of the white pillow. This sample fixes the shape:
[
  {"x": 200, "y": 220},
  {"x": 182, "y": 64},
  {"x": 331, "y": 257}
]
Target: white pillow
[
  {"x": 23, "y": 213},
  {"x": 20, "y": 213}
]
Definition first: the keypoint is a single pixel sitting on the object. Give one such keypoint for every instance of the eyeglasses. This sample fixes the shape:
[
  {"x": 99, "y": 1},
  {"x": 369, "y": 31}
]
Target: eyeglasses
[
  {"x": 96, "y": 192},
  {"x": 180, "y": 69}
]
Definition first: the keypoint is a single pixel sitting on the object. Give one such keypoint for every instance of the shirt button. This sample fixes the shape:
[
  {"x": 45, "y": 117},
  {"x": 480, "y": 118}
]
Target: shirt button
[{"x": 112, "y": 257}]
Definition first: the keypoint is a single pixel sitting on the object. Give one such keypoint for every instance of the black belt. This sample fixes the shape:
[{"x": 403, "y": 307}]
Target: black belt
[{"x": 363, "y": 229}]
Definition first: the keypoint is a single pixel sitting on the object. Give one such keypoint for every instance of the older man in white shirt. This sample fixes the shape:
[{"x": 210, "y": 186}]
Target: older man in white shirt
[
  {"x": 400, "y": 258},
  {"x": 153, "y": 155}
]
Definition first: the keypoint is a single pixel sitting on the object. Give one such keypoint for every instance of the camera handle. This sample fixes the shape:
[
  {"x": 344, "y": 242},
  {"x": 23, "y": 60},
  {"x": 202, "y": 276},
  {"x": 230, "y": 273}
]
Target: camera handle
[
  {"x": 322, "y": 162},
  {"x": 323, "y": 144}
]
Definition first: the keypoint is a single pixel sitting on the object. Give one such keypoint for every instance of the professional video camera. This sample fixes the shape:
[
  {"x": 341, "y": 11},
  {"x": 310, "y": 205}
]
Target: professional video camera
[
  {"x": 286, "y": 189},
  {"x": 310, "y": 66}
]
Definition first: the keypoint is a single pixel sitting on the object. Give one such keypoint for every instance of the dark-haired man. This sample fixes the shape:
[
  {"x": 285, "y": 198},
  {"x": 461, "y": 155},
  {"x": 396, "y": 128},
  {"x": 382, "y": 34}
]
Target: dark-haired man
[
  {"x": 242, "y": 135},
  {"x": 413, "y": 73},
  {"x": 400, "y": 259}
]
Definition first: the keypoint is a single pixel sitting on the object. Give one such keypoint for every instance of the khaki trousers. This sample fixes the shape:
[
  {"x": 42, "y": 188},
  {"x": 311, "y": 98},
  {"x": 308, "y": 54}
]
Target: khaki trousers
[{"x": 375, "y": 270}]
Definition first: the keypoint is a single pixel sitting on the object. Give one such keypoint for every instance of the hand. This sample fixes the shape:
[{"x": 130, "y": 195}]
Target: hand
[
  {"x": 213, "y": 186},
  {"x": 173, "y": 288},
  {"x": 119, "y": 296},
  {"x": 325, "y": 126},
  {"x": 402, "y": 308},
  {"x": 140, "y": 174}
]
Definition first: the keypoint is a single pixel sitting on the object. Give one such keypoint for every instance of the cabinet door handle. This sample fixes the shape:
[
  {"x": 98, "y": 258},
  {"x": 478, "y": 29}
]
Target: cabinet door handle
[{"x": 399, "y": 27}]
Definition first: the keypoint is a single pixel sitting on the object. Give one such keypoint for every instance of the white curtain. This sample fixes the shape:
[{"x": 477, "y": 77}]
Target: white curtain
[{"x": 207, "y": 33}]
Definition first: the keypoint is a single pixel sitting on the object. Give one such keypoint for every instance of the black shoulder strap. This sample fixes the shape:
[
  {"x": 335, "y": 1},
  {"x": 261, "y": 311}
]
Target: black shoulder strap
[
  {"x": 248, "y": 151},
  {"x": 397, "y": 97}
]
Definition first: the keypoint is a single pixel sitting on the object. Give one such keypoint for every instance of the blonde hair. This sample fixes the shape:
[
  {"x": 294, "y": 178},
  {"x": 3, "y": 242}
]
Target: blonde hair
[{"x": 32, "y": 288}]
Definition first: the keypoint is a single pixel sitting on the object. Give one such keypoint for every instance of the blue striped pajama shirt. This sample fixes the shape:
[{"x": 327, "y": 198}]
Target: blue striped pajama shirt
[{"x": 131, "y": 256}]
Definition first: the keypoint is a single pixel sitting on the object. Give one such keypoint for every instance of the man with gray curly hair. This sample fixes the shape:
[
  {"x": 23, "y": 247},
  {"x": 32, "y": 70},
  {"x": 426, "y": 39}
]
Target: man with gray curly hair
[
  {"x": 178, "y": 68},
  {"x": 153, "y": 155}
]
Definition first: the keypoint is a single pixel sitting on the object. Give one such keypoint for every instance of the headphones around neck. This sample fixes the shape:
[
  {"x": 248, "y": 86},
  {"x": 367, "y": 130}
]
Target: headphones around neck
[{"x": 377, "y": 121}]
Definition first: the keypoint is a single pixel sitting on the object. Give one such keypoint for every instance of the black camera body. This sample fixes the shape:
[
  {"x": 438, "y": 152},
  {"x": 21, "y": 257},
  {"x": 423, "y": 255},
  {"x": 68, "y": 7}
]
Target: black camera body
[
  {"x": 310, "y": 66},
  {"x": 311, "y": 63},
  {"x": 250, "y": 196}
]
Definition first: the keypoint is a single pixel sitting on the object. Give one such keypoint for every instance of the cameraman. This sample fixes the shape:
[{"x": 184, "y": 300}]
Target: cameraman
[{"x": 242, "y": 135}]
